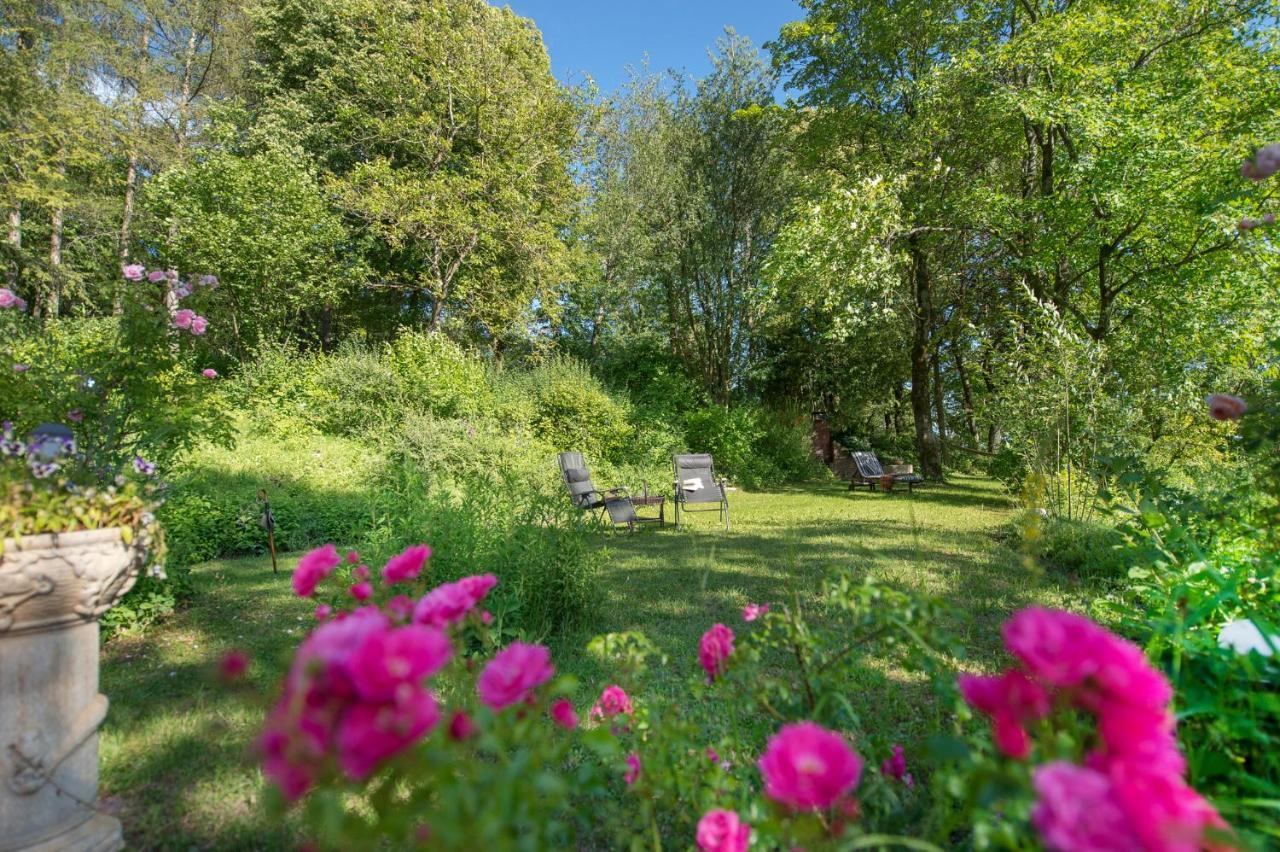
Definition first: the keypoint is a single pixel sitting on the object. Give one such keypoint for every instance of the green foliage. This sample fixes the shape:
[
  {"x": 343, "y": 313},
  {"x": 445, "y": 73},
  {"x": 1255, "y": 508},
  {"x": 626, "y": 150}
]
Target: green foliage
[
  {"x": 1093, "y": 550},
  {"x": 753, "y": 445}
]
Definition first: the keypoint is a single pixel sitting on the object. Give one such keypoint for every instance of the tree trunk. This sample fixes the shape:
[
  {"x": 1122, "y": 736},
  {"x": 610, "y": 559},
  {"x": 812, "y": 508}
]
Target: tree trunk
[
  {"x": 54, "y": 304},
  {"x": 966, "y": 397},
  {"x": 15, "y": 240},
  {"x": 940, "y": 409},
  {"x": 926, "y": 442},
  {"x": 326, "y": 329}
]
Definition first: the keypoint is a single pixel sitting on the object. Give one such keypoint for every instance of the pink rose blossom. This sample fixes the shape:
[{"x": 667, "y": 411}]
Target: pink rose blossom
[
  {"x": 1162, "y": 810},
  {"x": 613, "y": 701},
  {"x": 461, "y": 727},
  {"x": 896, "y": 767},
  {"x": 406, "y": 566},
  {"x": 323, "y": 611},
  {"x": 312, "y": 568},
  {"x": 133, "y": 272},
  {"x": 156, "y": 276},
  {"x": 513, "y": 674},
  {"x": 361, "y": 591},
  {"x": 716, "y": 647},
  {"x": 352, "y": 557},
  {"x": 1265, "y": 163},
  {"x": 1223, "y": 406},
  {"x": 400, "y": 607},
  {"x": 21, "y": 368},
  {"x": 807, "y": 766},
  {"x": 322, "y": 661},
  {"x": 183, "y": 318},
  {"x": 722, "y": 831},
  {"x": 360, "y": 572},
  {"x": 1246, "y": 225},
  {"x": 1009, "y": 700},
  {"x": 208, "y": 281},
  {"x": 405, "y": 655},
  {"x": 209, "y": 373},
  {"x": 751, "y": 612},
  {"x": 233, "y": 665},
  {"x": 1076, "y": 809},
  {"x": 449, "y": 603},
  {"x": 633, "y": 769},
  {"x": 370, "y": 733},
  {"x": 7, "y": 298},
  {"x": 562, "y": 713},
  {"x": 199, "y": 325}
]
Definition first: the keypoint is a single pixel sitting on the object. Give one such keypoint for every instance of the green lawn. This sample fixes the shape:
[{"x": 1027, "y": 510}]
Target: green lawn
[{"x": 175, "y": 749}]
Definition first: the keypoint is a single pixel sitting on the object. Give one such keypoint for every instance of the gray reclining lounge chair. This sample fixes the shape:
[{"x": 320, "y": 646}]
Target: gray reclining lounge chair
[
  {"x": 615, "y": 502},
  {"x": 870, "y": 471},
  {"x": 697, "y": 484}
]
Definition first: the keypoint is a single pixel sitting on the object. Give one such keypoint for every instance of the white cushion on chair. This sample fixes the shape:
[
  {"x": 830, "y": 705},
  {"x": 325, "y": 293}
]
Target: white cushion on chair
[{"x": 694, "y": 484}]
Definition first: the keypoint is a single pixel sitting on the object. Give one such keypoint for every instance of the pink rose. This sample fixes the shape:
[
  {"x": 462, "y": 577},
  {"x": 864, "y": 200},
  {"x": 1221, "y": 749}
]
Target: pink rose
[
  {"x": 400, "y": 607},
  {"x": 1266, "y": 162},
  {"x": 360, "y": 572},
  {"x": 1162, "y": 810},
  {"x": 209, "y": 373},
  {"x": 1077, "y": 809},
  {"x": 361, "y": 591},
  {"x": 406, "y": 566},
  {"x": 199, "y": 325},
  {"x": 613, "y": 701},
  {"x": 716, "y": 647},
  {"x": 1223, "y": 406},
  {"x": 7, "y": 298},
  {"x": 461, "y": 727},
  {"x": 183, "y": 318},
  {"x": 633, "y": 769},
  {"x": 387, "y": 660},
  {"x": 513, "y": 674},
  {"x": 133, "y": 272},
  {"x": 1246, "y": 225},
  {"x": 312, "y": 568},
  {"x": 449, "y": 603},
  {"x": 210, "y": 281},
  {"x": 896, "y": 767},
  {"x": 233, "y": 665},
  {"x": 370, "y": 733},
  {"x": 1008, "y": 700},
  {"x": 722, "y": 831},
  {"x": 751, "y": 612},
  {"x": 562, "y": 713},
  {"x": 323, "y": 611},
  {"x": 156, "y": 276},
  {"x": 807, "y": 766}
]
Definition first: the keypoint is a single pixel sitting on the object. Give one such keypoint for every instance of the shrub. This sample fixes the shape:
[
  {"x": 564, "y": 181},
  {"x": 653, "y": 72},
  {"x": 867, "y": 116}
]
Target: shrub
[
  {"x": 437, "y": 377},
  {"x": 755, "y": 446},
  {"x": 1088, "y": 549}
]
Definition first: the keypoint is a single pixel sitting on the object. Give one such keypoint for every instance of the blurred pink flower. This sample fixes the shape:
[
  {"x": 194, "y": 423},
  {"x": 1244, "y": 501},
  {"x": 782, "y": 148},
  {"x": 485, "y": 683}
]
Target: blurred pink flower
[
  {"x": 513, "y": 674},
  {"x": 461, "y": 727},
  {"x": 807, "y": 766},
  {"x": 386, "y": 660},
  {"x": 371, "y": 733},
  {"x": 209, "y": 373},
  {"x": 21, "y": 368},
  {"x": 1009, "y": 700},
  {"x": 233, "y": 665},
  {"x": 400, "y": 607},
  {"x": 896, "y": 767},
  {"x": 7, "y": 298},
  {"x": 722, "y": 831},
  {"x": 1224, "y": 406},
  {"x": 183, "y": 318},
  {"x": 352, "y": 557},
  {"x": 562, "y": 713},
  {"x": 312, "y": 568},
  {"x": 1076, "y": 809},
  {"x": 1265, "y": 163},
  {"x": 449, "y": 603},
  {"x": 753, "y": 611},
  {"x": 1162, "y": 810},
  {"x": 613, "y": 701},
  {"x": 361, "y": 591},
  {"x": 360, "y": 572},
  {"x": 323, "y": 611},
  {"x": 633, "y": 768},
  {"x": 76, "y": 416},
  {"x": 407, "y": 565},
  {"x": 133, "y": 271},
  {"x": 716, "y": 647},
  {"x": 156, "y": 276},
  {"x": 199, "y": 325},
  {"x": 208, "y": 281}
]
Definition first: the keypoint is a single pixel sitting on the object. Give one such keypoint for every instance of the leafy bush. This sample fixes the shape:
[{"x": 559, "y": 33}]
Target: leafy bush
[
  {"x": 1088, "y": 549},
  {"x": 753, "y": 445},
  {"x": 437, "y": 377}
]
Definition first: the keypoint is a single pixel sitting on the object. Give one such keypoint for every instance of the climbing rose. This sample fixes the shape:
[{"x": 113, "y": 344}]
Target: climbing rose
[
  {"x": 722, "y": 831},
  {"x": 461, "y": 727},
  {"x": 562, "y": 714},
  {"x": 896, "y": 767},
  {"x": 1265, "y": 163},
  {"x": 513, "y": 674},
  {"x": 807, "y": 766},
  {"x": 449, "y": 603},
  {"x": 134, "y": 271},
  {"x": 156, "y": 276},
  {"x": 407, "y": 565},
  {"x": 208, "y": 281},
  {"x": 633, "y": 768},
  {"x": 1223, "y": 406},
  {"x": 1076, "y": 809},
  {"x": 209, "y": 373},
  {"x": 1161, "y": 809},
  {"x": 361, "y": 591},
  {"x": 387, "y": 660},
  {"x": 7, "y": 298},
  {"x": 199, "y": 325},
  {"x": 183, "y": 318},
  {"x": 370, "y": 733},
  {"x": 715, "y": 648},
  {"x": 751, "y": 612},
  {"x": 312, "y": 568},
  {"x": 613, "y": 701}
]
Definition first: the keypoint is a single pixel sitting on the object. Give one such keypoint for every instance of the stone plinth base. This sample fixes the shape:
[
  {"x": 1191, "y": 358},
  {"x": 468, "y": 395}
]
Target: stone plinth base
[{"x": 99, "y": 834}]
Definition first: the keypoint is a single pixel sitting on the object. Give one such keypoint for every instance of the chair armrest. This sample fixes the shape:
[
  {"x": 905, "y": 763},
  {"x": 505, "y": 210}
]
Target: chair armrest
[{"x": 618, "y": 490}]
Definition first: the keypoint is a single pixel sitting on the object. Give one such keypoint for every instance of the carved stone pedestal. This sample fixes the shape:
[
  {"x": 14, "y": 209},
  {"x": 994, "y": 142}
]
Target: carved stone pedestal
[{"x": 53, "y": 588}]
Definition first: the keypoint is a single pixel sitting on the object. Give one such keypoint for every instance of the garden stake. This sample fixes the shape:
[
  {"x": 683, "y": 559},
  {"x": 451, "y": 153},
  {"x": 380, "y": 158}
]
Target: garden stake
[{"x": 269, "y": 524}]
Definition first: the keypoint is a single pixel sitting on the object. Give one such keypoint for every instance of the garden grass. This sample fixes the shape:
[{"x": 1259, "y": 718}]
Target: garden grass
[{"x": 176, "y": 764}]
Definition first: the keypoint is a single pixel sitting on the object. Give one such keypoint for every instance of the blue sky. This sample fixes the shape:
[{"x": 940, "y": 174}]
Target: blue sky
[{"x": 603, "y": 37}]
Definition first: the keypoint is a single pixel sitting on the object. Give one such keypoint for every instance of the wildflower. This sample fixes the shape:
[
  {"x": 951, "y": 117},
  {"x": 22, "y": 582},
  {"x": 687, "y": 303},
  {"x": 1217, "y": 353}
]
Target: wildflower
[
  {"x": 183, "y": 318},
  {"x": 44, "y": 470},
  {"x": 371, "y": 733},
  {"x": 513, "y": 674},
  {"x": 361, "y": 591},
  {"x": 449, "y": 603},
  {"x": 406, "y": 566},
  {"x": 156, "y": 276},
  {"x": 143, "y": 466},
  {"x": 199, "y": 325},
  {"x": 1223, "y": 406},
  {"x": 716, "y": 647},
  {"x": 633, "y": 769},
  {"x": 209, "y": 373},
  {"x": 807, "y": 766},
  {"x": 312, "y": 568},
  {"x": 210, "y": 281},
  {"x": 233, "y": 665},
  {"x": 753, "y": 611},
  {"x": 404, "y": 655},
  {"x": 21, "y": 368},
  {"x": 461, "y": 727},
  {"x": 562, "y": 713},
  {"x": 133, "y": 271},
  {"x": 896, "y": 767},
  {"x": 613, "y": 701},
  {"x": 722, "y": 831}
]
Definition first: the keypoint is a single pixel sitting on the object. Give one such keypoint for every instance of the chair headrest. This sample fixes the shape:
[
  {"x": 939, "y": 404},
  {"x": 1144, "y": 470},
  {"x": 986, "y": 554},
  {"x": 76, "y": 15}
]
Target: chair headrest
[
  {"x": 576, "y": 474},
  {"x": 694, "y": 461}
]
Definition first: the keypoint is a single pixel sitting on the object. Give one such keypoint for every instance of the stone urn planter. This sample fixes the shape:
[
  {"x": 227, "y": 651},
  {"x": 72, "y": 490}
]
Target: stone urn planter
[{"x": 53, "y": 588}]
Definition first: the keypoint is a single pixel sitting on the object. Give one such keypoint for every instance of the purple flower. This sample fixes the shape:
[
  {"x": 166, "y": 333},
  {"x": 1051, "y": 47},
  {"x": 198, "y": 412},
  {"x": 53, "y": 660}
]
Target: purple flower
[
  {"x": 7, "y": 298},
  {"x": 181, "y": 291},
  {"x": 21, "y": 368},
  {"x": 43, "y": 470},
  {"x": 143, "y": 466},
  {"x": 134, "y": 272},
  {"x": 156, "y": 276},
  {"x": 209, "y": 281}
]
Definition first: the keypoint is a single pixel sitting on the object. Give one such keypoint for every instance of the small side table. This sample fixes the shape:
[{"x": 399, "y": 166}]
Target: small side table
[{"x": 658, "y": 500}]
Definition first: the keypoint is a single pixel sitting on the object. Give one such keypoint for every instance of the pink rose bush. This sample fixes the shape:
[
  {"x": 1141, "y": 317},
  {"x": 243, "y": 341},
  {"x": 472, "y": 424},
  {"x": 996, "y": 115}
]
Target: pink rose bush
[
  {"x": 614, "y": 701},
  {"x": 1131, "y": 783},
  {"x": 722, "y": 831},
  {"x": 512, "y": 675}
]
